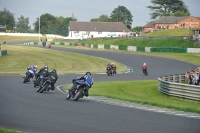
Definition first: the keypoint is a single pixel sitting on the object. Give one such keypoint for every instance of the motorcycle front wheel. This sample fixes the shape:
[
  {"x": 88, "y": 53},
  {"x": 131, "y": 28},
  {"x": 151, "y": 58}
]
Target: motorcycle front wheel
[
  {"x": 79, "y": 93},
  {"x": 44, "y": 88}
]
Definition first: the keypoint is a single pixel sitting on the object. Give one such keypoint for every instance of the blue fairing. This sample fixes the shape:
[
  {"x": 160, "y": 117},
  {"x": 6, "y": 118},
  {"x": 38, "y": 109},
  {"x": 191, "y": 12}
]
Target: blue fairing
[{"x": 87, "y": 82}]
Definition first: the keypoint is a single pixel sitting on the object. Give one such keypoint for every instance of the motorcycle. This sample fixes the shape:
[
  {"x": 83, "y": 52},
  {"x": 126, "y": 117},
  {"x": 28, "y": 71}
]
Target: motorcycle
[
  {"x": 29, "y": 75},
  {"x": 114, "y": 70},
  {"x": 39, "y": 81},
  {"x": 82, "y": 87},
  {"x": 109, "y": 71},
  {"x": 49, "y": 45},
  {"x": 145, "y": 72},
  {"x": 44, "y": 86},
  {"x": 44, "y": 44}
]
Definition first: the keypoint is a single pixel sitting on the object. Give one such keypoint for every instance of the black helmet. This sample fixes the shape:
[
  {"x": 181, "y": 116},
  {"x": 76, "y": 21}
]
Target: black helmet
[
  {"x": 54, "y": 70},
  {"x": 88, "y": 73},
  {"x": 45, "y": 67}
]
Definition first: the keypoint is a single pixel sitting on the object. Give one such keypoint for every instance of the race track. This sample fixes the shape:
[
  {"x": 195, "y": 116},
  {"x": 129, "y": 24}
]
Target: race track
[{"x": 22, "y": 108}]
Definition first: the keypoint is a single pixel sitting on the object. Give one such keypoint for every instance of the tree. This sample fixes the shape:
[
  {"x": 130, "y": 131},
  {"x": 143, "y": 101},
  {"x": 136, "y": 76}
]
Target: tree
[
  {"x": 122, "y": 14},
  {"x": 7, "y": 18},
  {"x": 47, "y": 24},
  {"x": 50, "y": 24},
  {"x": 102, "y": 18},
  {"x": 137, "y": 28},
  {"x": 23, "y": 24},
  {"x": 168, "y": 8}
]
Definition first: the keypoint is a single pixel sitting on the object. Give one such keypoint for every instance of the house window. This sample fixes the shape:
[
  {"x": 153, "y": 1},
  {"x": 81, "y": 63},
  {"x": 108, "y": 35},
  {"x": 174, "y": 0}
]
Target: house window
[
  {"x": 192, "y": 20},
  {"x": 99, "y": 32},
  {"x": 76, "y": 31}
]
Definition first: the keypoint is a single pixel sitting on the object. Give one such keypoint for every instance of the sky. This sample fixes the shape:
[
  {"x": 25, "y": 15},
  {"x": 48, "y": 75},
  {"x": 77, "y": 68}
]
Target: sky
[{"x": 85, "y": 10}]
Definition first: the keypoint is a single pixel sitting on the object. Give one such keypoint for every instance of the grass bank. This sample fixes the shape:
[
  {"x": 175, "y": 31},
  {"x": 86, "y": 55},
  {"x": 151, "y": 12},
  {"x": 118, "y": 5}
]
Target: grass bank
[
  {"x": 20, "y": 57},
  {"x": 170, "y": 32},
  {"x": 168, "y": 42},
  {"x": 143, "y": 92}
]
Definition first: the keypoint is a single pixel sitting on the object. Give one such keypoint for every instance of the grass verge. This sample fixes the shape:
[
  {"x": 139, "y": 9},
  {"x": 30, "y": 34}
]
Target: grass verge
[
  {"x": 3, "y": 130},
  {"x": 143, "y": 92},
  {"x": 20, "y": 57}
]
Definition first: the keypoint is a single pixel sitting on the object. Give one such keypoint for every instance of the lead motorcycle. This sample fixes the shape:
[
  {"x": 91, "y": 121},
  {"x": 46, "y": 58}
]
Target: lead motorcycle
[
  {"x": 82, "y": 86},
  {"x": 29, "y": 75}
]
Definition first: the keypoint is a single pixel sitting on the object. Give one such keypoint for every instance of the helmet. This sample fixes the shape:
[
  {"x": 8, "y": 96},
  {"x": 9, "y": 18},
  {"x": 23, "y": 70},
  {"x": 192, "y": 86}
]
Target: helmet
[
  {"x": 45, "y": 67},
  {"x": 35, "y": 66},
  {"x": 88, "y": 73},
  {"x": 144, "y": 64},
  {"x": 54, "y": 70}
]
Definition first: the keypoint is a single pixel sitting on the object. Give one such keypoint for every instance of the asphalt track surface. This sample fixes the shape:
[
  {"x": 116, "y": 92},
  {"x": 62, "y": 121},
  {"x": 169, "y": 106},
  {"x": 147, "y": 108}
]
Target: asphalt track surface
[{"x": 22, "y": 108}]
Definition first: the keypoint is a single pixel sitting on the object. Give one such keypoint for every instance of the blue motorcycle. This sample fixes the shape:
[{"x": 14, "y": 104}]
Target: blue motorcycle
[
  {"x": 82, "y": 86},
  {"x": 29, "y": 74}
]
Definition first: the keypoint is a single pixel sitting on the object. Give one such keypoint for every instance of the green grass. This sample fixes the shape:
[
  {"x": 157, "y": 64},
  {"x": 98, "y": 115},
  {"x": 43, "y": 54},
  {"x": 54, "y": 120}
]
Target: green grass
[
  {"x": 3, "y": 130},
  {"x": 169, "y": 42},
  {"x": 17, "y": 38},
  {"x": 20, "y": 57},
  {"x": 169, "y": 32},
  {"x": 143, "y": 92}
]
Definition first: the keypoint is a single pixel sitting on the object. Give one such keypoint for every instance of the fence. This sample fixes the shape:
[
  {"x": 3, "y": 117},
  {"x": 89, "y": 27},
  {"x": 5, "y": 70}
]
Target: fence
[{"x": 172, "y": 85}]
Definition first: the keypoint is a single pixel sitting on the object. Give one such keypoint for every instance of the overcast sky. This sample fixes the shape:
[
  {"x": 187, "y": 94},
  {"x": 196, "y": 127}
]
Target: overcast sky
[{"x": 85, "y": 10}]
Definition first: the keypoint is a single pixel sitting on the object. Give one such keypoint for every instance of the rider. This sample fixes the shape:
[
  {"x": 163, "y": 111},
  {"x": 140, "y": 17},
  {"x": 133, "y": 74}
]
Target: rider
[
  {"x": 84, "y": 77},
  {"x": 44, "y": 71},
  {"x": 32, "y": 68},
  {"x": 113, "y": 66},
  {"x": 109, "y": 65},
  {"x": 144, "y": 66},
  {"x": 53, "y": 77}
]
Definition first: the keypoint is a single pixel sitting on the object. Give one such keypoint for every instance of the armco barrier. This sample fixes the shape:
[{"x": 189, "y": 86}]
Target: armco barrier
[{"x": 169, "y": 86}]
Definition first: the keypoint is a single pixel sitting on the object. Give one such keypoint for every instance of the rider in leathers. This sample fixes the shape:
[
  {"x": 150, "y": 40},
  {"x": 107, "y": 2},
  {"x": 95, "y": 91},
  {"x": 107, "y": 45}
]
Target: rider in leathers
[
  {"x": 81, "y": 78},
  {"x": 53, "y": 77},
  {"x": 44, "y": 71}
]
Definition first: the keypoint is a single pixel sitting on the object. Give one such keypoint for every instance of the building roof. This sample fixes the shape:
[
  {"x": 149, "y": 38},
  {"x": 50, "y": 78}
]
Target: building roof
[
  {"x": 150, "y": 24},
  {"x": 170, "y": 20},
  {"x": 198, "y": 18},
  {"x": 98, "y": 26}
]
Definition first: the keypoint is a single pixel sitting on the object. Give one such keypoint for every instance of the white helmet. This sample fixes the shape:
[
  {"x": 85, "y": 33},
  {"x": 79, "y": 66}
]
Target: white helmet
[{"x": 144, "y": 64}]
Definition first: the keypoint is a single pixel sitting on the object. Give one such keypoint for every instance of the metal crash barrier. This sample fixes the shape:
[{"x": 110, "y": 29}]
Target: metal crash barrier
[{"x": 172, "y": 85}]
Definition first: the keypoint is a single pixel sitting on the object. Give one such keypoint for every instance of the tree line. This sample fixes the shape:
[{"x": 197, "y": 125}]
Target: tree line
[{"x": 50, "y": 24}]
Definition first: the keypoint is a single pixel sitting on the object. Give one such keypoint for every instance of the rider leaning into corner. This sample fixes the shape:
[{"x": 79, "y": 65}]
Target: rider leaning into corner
[
  {"x": 32, "y": 68},
  {"x": 144, "y": 66},
  {"x": 44, "y": 71},
  {"x": 84, "y": 77},
  {"x": 53, "y": 77}
]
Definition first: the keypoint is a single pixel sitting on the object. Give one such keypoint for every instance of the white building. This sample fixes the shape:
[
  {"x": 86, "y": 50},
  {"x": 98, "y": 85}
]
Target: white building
[{"x": 81, "y": 30}]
